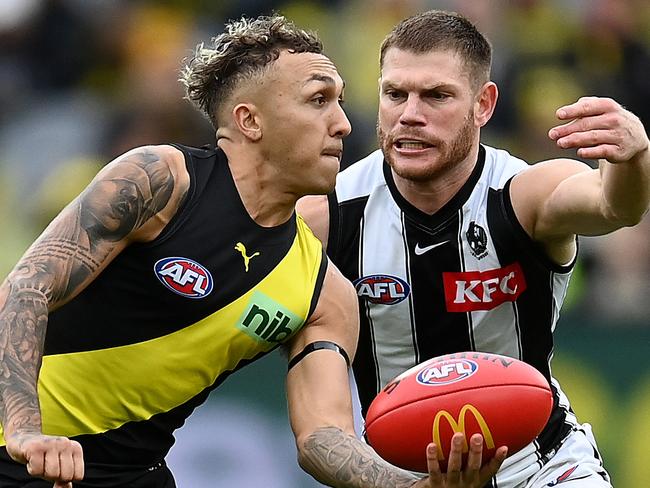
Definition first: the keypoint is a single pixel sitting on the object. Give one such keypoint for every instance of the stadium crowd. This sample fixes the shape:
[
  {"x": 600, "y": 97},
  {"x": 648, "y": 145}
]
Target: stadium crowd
[{"x": 82, "y": 81}]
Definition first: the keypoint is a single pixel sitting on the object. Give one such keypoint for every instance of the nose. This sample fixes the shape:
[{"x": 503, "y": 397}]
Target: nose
[
  {"x": 412, "y": 113},
  {"x": 341, "y": 126}
]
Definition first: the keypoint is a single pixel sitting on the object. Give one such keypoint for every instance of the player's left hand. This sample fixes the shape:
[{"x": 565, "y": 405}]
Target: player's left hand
[
  {"x": 457, "y": 476},
  {"x": 600, "y": 128}
]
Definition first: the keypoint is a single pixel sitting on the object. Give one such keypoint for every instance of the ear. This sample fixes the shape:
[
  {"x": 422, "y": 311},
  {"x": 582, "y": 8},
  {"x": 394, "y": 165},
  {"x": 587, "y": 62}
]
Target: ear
[
  {"x": 247, "y": 120},
  {"x": 486, "y": 101}
]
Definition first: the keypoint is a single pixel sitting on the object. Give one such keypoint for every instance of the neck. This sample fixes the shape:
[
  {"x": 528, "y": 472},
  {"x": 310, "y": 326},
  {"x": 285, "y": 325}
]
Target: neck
[
  {"x": 259, "y": 186},
  {"x": 432, "y": 194}
]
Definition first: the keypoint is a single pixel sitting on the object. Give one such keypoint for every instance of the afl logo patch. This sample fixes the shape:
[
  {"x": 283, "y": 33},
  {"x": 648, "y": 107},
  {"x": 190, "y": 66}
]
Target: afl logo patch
[
  {"x": 382, "y": 289},
  {"x": 446, "y": 372},
  {"x": 184, "y": 277}
]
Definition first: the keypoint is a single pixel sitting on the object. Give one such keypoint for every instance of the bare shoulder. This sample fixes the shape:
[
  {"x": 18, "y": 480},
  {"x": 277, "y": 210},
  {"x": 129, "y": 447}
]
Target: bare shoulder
[
  {"x": 160, "y": 159},
  {"x": 314, "y": 209},
  {"x": 144, "y": 188}
]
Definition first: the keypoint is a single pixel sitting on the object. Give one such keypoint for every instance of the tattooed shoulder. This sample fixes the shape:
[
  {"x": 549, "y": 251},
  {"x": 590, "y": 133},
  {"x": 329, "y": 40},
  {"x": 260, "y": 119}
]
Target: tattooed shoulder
[{"x": 127, "y": 193}]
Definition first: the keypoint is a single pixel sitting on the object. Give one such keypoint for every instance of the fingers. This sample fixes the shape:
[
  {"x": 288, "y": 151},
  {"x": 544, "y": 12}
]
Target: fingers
[
  {"x": 56, "y": 459},
  {"x": 586, "y": 107},
  {"x": 436, "y": 477},
  {"x": 599, "y": 128},
  {"x": 455, "y": 463},
  {"x": 491, "y": 467},
  {"x": 475, "y": 454},
  {"x": 459, "y": 474}
]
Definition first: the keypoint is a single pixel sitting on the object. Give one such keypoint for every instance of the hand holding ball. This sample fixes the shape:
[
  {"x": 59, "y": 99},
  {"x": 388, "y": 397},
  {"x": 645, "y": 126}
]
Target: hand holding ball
[{"x": 505, "y": 400}]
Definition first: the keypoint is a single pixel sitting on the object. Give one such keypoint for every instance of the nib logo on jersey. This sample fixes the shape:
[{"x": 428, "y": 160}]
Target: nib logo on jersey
[
  {"x": 264, "y": 319},
  {"x": 469, "y": 291},
  {"x": 383, "y": 289},
  {"x": 184, "y": 277}
]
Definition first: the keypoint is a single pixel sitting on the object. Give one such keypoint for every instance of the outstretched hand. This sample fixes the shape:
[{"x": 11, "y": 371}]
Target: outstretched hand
[
  {"x": 472, "y": 476},
  {"x": 53, "y": 458},
  {"x": 600, "y": 128}
]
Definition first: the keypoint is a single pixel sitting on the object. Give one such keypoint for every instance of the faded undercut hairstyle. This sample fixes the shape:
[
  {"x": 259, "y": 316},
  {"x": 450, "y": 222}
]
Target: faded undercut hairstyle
[
  {"x": 438, "y": 30},
  {"x": 242, "y": 52}
]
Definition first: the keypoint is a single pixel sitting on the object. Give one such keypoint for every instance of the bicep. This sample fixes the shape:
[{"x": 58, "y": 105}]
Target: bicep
[
  {"x": 318, "y": 387},
  {"x": 555, "y": 200}
]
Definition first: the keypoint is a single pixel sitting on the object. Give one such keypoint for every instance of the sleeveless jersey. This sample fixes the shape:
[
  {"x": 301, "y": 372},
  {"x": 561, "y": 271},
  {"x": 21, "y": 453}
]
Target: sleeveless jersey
[
  {"x": 167, "y": 321},
  {"x": 467, "y": 278}
]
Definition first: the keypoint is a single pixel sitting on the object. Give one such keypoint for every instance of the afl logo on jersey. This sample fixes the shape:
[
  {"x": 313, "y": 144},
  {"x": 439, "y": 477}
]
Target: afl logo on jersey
[
  {"x": 184, "y": 277},
  {"x": 382, "y": 289},
  {"x": 446, "y": 372}
]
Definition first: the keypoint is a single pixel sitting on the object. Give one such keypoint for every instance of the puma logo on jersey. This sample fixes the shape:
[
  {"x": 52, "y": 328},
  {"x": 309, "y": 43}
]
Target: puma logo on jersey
[
  {"x": 483, "y": 290},
  {"x": 242, "y": 249}
]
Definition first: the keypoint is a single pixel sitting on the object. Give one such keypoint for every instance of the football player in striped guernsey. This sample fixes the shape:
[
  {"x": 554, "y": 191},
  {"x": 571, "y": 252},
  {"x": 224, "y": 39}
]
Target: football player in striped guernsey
[{"x": 454, "y": 245}]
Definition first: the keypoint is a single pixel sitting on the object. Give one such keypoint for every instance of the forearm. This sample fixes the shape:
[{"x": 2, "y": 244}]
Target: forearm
[
  {"x": 626, "y": 188},
  {"x": 23, "y": 321},
  {"x": 341, "y": 460}
]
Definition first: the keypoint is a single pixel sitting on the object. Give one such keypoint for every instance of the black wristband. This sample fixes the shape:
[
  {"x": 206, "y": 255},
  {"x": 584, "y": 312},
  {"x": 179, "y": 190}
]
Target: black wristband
[{"x": 315, "y": 346}]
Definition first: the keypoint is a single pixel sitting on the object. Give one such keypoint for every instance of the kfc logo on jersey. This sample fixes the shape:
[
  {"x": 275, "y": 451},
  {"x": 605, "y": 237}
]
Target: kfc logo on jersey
[
  {"x": 446, "y": 372},
  {"x": 184, "y": 277},
  {"x": 483, "y": 290},
  {"x": 383, "y": 289}
]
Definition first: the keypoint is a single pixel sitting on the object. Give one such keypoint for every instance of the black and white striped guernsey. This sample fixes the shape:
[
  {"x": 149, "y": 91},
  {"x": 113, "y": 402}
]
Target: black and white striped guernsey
[{"x": 466, "y": 278}]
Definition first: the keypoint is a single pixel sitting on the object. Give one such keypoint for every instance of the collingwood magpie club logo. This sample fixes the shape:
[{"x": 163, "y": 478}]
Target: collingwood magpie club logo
[{"x": 477, "y": 240}]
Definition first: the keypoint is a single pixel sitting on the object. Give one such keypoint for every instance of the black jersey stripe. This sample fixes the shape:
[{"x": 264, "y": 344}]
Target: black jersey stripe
[
  {"x": 319, "y": 283},
  {"x": 463, "y": 267},
  {"x": 409, "y": 274},
  {"x": 143, "y": 443}
]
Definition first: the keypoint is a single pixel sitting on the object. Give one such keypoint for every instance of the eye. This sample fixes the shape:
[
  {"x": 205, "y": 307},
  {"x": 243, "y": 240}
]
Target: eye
[
  {"x": 394, "y": 94},
  {"x": 319, "y": 100},
  {"x": 437, "y": 95}
]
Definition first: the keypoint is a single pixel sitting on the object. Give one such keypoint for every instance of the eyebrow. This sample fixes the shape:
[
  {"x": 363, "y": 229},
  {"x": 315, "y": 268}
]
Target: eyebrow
[
  {"x": 323, "y": 78},
  {"x": 427, "y": 88}
]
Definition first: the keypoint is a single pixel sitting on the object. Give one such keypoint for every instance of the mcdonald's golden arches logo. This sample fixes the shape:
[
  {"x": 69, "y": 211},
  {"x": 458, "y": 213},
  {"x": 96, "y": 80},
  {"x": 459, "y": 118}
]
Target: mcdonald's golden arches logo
[{"x": 459, "y": 426}]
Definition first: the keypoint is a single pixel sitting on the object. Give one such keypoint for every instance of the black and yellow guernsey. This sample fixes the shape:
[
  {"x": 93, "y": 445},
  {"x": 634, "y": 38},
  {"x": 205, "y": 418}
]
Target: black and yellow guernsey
[{"x": 127, "y": 361}]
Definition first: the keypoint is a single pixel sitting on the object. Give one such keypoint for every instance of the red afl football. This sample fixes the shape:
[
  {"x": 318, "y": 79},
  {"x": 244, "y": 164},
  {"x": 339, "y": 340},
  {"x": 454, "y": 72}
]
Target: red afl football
[{"x": 504, "y": 399}]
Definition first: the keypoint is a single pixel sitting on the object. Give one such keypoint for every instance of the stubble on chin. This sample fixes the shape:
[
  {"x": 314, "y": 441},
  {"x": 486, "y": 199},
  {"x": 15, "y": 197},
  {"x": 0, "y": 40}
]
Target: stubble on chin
[{"x": 449, "y": 154}]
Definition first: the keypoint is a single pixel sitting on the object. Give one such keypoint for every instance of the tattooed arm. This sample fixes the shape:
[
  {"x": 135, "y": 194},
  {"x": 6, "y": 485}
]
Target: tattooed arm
[
  {"x": 320, "y": 408},
  {"x": 130, "y": 200}
]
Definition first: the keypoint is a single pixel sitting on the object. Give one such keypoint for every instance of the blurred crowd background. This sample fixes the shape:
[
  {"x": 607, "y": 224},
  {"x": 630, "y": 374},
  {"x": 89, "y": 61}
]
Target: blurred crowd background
[{"x": 82, "y": 81}]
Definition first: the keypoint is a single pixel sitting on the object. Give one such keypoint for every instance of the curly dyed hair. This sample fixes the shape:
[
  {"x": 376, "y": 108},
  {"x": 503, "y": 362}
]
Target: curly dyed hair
[{"x": 244, "y": 50}]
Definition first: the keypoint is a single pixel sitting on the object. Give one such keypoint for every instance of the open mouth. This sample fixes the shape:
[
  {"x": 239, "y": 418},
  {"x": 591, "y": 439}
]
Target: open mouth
[{"x": 412, "y": 144}]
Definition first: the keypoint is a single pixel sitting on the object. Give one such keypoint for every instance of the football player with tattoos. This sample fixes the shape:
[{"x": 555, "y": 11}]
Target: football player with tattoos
[{"x": 177, "y": 266}]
